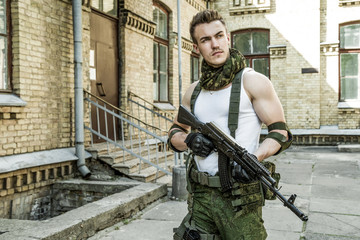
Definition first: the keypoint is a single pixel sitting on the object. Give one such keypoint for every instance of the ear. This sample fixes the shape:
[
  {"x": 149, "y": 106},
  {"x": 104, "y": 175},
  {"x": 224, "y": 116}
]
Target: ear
[
  {"x": 196, "y": 48},
  {"x": 228, "y": 38}
]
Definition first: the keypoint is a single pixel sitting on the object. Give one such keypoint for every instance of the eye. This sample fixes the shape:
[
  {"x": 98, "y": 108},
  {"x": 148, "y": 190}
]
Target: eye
[{"x": 204, "y": 40}]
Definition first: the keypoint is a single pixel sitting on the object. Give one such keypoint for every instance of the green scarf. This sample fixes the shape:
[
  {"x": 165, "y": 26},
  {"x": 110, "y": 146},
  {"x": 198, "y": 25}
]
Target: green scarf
[{"x": 216, "y": 78}]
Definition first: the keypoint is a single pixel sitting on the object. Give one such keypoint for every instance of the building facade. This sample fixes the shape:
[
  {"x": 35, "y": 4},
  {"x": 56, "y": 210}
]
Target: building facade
[
  {"x": 309, "y": 49},
  {"x": 126, "y": 46}
]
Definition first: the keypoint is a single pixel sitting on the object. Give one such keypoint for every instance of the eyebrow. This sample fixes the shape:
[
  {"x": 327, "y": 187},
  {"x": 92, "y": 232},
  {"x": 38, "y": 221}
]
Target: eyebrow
[{"x": 206, "y": 37}]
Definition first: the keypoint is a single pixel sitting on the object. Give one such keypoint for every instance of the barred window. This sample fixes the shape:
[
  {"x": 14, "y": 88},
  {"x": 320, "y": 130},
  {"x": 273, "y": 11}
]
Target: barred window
[{"x": 349, "y": 54}]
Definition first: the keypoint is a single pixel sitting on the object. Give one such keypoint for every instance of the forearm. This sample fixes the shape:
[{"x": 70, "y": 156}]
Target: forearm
[
  {"x": 267, "y": 148},
  {"x": 178, "y": 141}
]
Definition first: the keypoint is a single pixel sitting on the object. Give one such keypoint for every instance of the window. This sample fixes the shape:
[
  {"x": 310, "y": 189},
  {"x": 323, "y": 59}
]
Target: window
[
  {"x": 253, "y": 44},
  {"x": 161, "y": 46},
  {"x": 106, "y": 6},
  {"x": 349, "y": 54},
  {"x": 5, "y": 45},
  {"x": 194, "y": 68}
]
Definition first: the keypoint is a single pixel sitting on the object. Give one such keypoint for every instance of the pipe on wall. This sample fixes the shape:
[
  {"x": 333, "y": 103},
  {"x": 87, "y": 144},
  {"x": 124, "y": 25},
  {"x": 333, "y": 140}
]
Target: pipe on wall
[{"x": 78, "y": 89}]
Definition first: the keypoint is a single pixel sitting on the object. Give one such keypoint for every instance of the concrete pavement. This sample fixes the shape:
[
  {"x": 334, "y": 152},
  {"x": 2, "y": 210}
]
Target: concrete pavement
[{"x": 326, "y": 181}]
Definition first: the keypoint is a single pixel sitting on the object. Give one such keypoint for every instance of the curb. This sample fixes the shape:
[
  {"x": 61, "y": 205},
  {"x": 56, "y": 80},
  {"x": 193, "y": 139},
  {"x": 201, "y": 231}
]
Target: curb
[{"x": 85, "y": 221}]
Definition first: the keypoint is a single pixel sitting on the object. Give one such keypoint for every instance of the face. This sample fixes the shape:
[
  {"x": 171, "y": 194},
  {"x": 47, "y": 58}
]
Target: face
[{"x": 212, "y": 42}]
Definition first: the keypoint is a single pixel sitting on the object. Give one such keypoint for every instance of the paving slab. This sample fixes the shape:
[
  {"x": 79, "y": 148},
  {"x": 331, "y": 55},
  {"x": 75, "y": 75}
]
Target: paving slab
[
  {"x": 326, "y": 183},
  {"x": 339, "y": 206},
  {"x": 334, "y": 224}
]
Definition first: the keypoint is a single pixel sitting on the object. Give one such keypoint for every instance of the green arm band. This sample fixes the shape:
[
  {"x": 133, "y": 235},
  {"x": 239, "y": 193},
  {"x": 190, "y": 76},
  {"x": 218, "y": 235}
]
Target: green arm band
[
  {"x": 177, "y": 129},
  {"x": 281, "y": 139}
]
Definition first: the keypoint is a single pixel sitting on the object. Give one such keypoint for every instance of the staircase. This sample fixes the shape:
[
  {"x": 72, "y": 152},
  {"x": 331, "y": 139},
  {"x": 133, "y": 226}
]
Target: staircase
[{"x": 141, "y": 151}]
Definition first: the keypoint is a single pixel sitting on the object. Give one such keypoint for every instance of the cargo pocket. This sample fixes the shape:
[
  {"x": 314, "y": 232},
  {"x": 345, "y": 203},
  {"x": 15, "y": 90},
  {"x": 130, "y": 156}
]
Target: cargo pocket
[
  {"x": 247, "y": 197},
  {"x": 269, "y": 195}
]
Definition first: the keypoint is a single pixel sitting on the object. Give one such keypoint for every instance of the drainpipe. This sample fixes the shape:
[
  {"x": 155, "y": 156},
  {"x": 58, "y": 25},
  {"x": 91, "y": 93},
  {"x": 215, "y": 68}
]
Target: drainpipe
[
  {"x": 179, "y": 48},
  {"x": 79, "y": 105}
]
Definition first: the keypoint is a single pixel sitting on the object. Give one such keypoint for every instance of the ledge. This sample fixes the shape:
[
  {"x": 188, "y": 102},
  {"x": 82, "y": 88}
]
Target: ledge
[
  {"x": 323, "y": 130},
  {"x": 9, "y": 99},
  {"x": 348, "y": 3},
  {"x": 355, "y": 104},
  {"x": 35, "y": 159},
  {"x": 164, "y": 106}
]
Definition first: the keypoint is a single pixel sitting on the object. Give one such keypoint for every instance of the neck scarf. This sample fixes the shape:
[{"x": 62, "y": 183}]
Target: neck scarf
[{"x": 216, "y": 78}]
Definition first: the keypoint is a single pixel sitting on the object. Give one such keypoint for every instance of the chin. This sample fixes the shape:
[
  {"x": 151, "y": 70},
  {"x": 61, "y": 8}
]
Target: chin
[{"x": 218, "y": 63}]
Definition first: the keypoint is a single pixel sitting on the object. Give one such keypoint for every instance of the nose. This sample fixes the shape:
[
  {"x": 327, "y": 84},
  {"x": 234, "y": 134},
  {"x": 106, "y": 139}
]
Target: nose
[{"x": 214, "y": 43}]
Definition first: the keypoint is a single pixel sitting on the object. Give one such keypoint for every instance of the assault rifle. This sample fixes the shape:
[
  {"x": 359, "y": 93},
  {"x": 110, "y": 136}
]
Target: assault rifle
[{"x": 227, "y": 145}]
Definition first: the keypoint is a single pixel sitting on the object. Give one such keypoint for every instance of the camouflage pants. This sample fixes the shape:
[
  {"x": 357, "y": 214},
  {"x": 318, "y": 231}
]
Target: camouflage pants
[{"x": 213, "y": 213}]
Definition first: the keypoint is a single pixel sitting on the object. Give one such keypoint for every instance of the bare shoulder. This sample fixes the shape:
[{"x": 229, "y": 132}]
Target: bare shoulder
[
  {"x": 256, "y": 84},
  {"x": 188, "y": 93}
]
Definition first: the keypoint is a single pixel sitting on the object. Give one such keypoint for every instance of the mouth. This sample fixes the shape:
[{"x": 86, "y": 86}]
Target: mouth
[{"x": 217, "y": 53}]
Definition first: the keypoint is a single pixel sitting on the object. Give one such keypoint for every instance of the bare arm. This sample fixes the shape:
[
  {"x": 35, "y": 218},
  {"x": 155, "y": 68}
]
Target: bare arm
[
  {"x": 178, "y": 139},
  {"x": 267, "y": 106}
]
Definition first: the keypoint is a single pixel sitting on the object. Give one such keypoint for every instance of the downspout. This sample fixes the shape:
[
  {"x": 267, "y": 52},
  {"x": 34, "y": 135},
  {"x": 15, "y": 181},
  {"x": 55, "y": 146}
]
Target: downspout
[
  {"x": 79, "y": 107},
  {"x": 179, "y": 48}
]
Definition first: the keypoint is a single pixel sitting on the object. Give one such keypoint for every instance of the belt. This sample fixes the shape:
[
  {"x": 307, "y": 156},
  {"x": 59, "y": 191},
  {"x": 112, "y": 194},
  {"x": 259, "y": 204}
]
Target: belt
[{"x": 204, "y": 178}]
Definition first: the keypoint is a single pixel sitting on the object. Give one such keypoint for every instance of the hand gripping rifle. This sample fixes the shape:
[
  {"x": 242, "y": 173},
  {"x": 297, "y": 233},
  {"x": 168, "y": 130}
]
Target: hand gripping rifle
[{"x": 227, "y": 145}]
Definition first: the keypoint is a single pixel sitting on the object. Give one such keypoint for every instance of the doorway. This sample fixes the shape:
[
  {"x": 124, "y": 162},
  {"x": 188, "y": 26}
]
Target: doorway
[{"x": 104, "y": 75}]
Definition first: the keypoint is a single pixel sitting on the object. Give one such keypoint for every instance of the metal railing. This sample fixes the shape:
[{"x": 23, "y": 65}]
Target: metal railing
[
  {"x": 150, "y": 113},
  {"x": 131, "y": 134}
]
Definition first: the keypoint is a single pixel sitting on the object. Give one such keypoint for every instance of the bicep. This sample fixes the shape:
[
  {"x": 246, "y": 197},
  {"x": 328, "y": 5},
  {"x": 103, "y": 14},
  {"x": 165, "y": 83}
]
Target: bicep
[{"x": 264, "y": 99}]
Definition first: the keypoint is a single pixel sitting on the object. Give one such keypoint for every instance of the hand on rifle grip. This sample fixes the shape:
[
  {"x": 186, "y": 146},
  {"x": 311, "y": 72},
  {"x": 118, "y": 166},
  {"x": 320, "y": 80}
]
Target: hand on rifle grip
[
  {"x": 199, "y": 144},
  {"x": 240, "y": 175}
]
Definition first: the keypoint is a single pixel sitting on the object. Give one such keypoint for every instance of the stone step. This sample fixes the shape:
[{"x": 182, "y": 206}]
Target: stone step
[
  {"x": 121, "y": 156},
  {"x": 132, "y": 166},
  {"x": 150, "y": 174},
  {"x": 349, "y": 147}
]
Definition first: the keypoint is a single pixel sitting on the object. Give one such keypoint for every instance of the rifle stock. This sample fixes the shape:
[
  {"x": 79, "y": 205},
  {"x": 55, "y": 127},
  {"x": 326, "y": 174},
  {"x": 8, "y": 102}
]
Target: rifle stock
[
  {"x": 186, "y": 117},
  {"x": 227, "y": 145}
]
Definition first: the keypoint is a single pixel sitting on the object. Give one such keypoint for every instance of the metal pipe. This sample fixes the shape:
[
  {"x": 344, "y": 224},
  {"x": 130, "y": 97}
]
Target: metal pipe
[
  {"x": 179, "y": 48},
  {"x": 78, "y": 89}
]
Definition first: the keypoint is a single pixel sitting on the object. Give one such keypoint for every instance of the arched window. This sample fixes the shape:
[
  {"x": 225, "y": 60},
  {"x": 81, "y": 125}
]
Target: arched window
[
  {"x": 253, "y": 44},
  {"x": 349, "y": 54},
  {"x": 161, "y": 53},
  {"x": 5, "y": 48}
]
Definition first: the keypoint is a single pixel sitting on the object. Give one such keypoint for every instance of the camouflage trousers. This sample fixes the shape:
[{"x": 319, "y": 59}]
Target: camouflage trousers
[{"x": 212, "y": 213}]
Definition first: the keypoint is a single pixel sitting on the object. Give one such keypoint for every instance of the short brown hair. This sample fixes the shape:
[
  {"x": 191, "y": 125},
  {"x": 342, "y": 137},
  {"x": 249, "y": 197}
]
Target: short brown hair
[{"x": 206, "y": 16}]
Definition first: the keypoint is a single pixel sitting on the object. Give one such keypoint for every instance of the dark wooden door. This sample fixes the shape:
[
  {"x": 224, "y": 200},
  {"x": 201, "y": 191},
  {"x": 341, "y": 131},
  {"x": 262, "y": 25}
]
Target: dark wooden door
[{"x": 104, "y": 69}]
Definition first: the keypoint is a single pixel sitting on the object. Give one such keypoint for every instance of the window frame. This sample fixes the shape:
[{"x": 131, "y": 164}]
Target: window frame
[
  {"x": 192, "y": 57},
  {"x": 347, "y": 50},
  {"x": 105, "y": 13},
  {"x": 251, "y": 57},
  {"x": 8, "y": 37},
  {"x": 165, "y": 42}
]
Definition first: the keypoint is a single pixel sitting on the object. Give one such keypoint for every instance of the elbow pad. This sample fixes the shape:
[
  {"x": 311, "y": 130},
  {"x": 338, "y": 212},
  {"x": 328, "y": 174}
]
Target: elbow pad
[{"x": 281, "y": 139}]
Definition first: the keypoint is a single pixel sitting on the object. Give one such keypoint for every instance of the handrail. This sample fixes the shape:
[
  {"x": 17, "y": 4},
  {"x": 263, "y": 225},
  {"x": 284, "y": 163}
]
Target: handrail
[
  {"x": 124, "y": 112},
  {"x": 131, "y": 137},
  {"x": 151, "y": 104}
]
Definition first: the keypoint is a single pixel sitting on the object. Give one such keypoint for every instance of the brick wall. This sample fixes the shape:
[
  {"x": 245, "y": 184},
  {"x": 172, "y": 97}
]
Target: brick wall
[
  {"x": 309, "y": 32},
  {"x": 22, "y": 191},
  {"x": 137, "y": 59}
]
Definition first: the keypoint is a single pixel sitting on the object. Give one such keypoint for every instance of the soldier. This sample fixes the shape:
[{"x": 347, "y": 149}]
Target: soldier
[{"x": 215, "y": 212}]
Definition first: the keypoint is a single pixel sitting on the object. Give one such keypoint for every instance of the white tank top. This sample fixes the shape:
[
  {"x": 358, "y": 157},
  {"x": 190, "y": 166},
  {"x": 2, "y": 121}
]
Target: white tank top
[{"x": 214, "y": 106}]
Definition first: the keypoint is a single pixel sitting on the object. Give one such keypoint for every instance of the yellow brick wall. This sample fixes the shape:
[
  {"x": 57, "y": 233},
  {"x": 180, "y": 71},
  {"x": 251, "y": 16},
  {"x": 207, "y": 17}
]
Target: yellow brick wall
[
  {"x": 310, "y": 100},
  {"x": 43, "y": 73},
  {"x": 137, "y": 59}
]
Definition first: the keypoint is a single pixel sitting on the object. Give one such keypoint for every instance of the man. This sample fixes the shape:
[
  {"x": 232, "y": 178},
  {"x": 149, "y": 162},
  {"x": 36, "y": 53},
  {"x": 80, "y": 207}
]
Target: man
[{"x": 236, "y": 213}]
